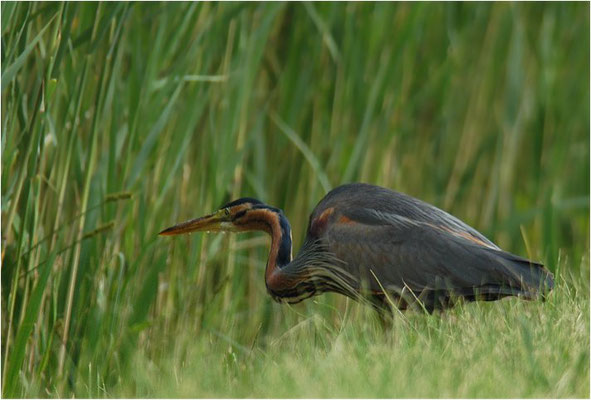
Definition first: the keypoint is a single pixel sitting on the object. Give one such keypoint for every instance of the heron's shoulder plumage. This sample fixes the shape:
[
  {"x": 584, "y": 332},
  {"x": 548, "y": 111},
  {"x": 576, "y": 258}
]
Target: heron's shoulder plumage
[{"x": 375, "y": 205}]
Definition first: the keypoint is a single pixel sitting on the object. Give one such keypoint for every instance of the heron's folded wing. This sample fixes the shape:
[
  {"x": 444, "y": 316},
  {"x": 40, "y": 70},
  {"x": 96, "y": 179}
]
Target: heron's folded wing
[{"x": 402, "y": 253}]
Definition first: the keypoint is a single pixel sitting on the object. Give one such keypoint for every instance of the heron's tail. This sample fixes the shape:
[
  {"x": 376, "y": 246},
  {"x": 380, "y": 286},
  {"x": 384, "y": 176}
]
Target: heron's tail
[{"x": 531, "y": 279}]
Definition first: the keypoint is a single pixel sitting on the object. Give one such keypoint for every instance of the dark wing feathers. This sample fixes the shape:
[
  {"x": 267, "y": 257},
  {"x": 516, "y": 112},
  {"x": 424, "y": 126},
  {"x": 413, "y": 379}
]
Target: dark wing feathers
[
  {"x": 352, "y": 199},
  {"x": 419, "y": 257},
  {"x": 409, "y": 243}
]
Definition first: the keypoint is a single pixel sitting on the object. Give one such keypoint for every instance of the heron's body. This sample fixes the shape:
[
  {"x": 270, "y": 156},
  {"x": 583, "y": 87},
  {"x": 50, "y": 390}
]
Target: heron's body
[{"x": 365, "y": 241}]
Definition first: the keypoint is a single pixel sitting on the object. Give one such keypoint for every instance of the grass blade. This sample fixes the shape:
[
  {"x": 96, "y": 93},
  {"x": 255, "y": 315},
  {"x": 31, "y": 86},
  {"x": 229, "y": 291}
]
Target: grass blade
[{"x": 11, "y": 70}]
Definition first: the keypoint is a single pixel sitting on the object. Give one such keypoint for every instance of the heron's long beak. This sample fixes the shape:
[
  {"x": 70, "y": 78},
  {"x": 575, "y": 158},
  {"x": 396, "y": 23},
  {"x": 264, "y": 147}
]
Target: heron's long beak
[{"x": 218, "y": 221}]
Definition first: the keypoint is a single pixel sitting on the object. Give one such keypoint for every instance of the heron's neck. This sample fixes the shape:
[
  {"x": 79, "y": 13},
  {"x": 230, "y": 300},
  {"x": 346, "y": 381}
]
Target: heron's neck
[
  {"x": 280, "y": 253},
  {"x": 272, "y": 221}
]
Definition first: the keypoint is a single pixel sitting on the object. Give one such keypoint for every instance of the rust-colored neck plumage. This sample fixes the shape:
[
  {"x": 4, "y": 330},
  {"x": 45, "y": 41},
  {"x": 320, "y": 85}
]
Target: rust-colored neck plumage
[{"x": 272, "y": 221}]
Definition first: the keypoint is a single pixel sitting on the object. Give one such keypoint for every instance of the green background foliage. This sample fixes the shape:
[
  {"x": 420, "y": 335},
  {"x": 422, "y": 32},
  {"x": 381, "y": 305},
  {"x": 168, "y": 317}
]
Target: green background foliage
[{"x": 121, "y": 119}]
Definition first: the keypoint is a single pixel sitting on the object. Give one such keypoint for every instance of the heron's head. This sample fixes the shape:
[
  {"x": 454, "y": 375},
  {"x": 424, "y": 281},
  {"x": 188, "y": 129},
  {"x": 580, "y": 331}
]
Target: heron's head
[{"x": 245, "y": 214}]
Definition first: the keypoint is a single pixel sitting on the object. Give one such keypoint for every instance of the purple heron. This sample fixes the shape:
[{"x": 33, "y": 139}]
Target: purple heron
[{"x": 369, "y": 242}]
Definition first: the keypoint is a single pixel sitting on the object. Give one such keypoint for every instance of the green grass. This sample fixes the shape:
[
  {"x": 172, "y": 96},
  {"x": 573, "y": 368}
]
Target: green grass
[
  {"x": 500, "y": 350},
  {"x": 121, "y": 119}
]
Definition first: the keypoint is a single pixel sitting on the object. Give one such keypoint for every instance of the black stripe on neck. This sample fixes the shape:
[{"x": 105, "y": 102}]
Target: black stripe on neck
[{"x": 284, "y": 252}]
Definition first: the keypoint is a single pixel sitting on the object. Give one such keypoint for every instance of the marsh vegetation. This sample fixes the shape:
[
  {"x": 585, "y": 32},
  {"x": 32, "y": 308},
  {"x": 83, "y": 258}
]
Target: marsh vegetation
[{"x": 120, "y": 119}]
